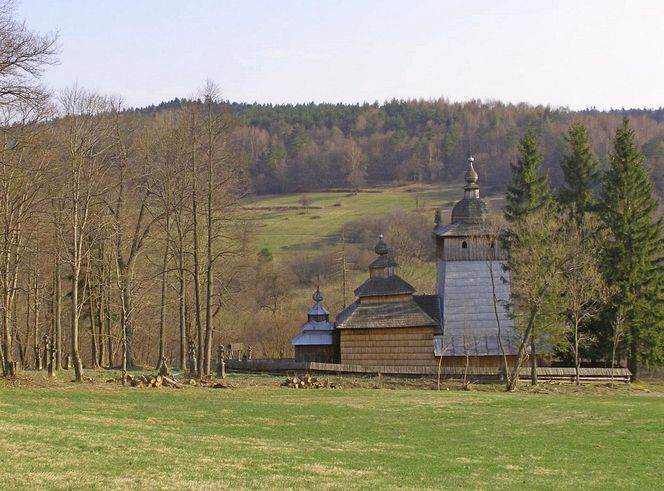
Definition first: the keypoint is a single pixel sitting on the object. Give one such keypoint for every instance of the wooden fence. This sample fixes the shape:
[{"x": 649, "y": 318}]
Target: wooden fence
[{"x": 473, "y": 373}]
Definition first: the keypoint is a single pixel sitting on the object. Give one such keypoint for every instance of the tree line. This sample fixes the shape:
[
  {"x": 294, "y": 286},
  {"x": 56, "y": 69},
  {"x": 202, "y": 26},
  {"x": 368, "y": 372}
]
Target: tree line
[
  {"x": 586, "y": 266},
  {"x": 305, "y": 147}
]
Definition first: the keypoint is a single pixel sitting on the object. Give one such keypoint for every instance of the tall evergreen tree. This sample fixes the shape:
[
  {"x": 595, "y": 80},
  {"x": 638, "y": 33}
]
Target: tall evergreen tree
[
  {"x": 633, "y": 253},
  {"x": 581, "y": 172},
  {"x": 529, "y": 191}
]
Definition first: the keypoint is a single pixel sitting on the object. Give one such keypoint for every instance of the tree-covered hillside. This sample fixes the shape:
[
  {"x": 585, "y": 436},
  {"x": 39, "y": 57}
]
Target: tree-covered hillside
[{"x": 304, "y": 147}]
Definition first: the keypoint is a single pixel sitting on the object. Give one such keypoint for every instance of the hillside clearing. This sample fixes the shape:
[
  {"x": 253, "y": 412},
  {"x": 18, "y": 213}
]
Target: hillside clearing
[{"x": 284, "y": 225}]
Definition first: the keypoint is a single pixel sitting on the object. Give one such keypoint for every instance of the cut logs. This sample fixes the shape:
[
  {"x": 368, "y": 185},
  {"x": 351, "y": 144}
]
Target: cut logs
[
  {"x": 155, "y": 381},
  {"x": 307, "y": 382}
]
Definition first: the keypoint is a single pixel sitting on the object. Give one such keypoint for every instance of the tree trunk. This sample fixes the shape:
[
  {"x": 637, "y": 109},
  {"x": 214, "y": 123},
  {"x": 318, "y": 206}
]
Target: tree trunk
[
  {"x": 109, "y": 338},
  {"x": 209, "y": 271},
  {"x": 128, "y": 329},
  {"x": 183, "y": 307},
  {"x": 197, "y": 265},
  {"x": 633, "y": 360},
  {"x": 497, "y": 316},
  {"x": 577, "y": 358},
  {"x": 75, "y": 353},
  {"x": 514, "y": 379},
  {"x": 57, "y": 314},
  {"x": 8, "y": 368},
  {"x": 36, "y": 301},
  {"x": 533, "y": 359},
  {"x": 164, "y": 280},
  {"x": 93, "y": 333},
  {"x": 100, "y": 319}
]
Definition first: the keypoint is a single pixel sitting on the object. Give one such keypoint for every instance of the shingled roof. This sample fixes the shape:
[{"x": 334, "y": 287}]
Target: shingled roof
[
  {"x": 318, "y": 330},
  {"x": 392, "y": 285},
  {"x": 384, "y": 315},
  {"x": 430, "y": 304}
]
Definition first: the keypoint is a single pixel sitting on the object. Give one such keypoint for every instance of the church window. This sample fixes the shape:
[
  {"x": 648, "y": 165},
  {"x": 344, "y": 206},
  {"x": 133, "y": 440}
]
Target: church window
[{"x": 464, "y": 245}]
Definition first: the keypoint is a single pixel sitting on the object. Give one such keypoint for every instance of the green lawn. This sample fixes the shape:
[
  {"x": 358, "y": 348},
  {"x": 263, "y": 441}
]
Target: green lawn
[
  {"x": 283, "y": 225},
  {"x": 105, "y": 436}
]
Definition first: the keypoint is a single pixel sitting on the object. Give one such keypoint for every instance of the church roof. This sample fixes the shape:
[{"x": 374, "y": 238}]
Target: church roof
[
  {"x": 384, "y": 261},
  {"x": 462, "y": 229},
  {"x": 392, "y": 285},
  {"x": 382, "y": 278},
  {"x": 314, "y": 338},
  {"x": 316, "y": 332},
  {"x": 384, "y": 315},
  {"x": 430, "y": 304},
  {"x": 318, "y": 308},
  {"x": 470, "y": 209}
]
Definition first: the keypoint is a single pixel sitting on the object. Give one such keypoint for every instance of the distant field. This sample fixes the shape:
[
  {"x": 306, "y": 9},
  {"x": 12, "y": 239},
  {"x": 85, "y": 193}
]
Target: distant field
[
  {"x": 261, "y": 436},
  {"x": 283, "y": 225}
]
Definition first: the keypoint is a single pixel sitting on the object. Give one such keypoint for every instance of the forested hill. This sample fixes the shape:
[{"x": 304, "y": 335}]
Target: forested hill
[{"x": 304, "y": 147}]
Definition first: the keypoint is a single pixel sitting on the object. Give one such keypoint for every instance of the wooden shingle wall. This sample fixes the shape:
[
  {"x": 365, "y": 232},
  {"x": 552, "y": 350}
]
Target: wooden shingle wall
[{"x": 411, "y": 346}]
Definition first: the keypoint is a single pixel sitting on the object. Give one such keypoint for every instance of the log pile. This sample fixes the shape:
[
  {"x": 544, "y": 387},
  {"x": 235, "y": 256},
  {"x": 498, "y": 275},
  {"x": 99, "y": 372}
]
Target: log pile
[
  {"x": 149, "y": 381},
  {"x": 306, "y": 382}
]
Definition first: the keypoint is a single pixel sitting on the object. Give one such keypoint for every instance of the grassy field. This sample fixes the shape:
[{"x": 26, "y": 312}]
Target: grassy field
[
  {"x": 284, "y": 225},
  {"x": 258, "y": 435}
]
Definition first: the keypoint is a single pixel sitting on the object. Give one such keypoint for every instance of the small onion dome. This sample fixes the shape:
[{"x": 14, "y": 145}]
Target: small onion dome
[
  {"x": 471, "y": 209},
  {"x": 381, "y": 247},
  {"x": 471, "y": 176},
  {"x": 318, "y": 313}
]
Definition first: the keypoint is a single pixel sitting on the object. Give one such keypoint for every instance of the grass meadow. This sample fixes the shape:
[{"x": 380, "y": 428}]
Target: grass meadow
[
  {"x": 284, "y": 225},
  {"x": 257, "y": 435}
]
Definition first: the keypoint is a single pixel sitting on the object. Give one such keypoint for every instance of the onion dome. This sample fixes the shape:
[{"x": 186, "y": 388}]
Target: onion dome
[
  {"x": 381, "y": 247},
  {"x": 383, "y": 279},
  {"x": 383, "y": 265},
  {"x": 318, "y": 313},
  {"x": 471, "y": 209}
]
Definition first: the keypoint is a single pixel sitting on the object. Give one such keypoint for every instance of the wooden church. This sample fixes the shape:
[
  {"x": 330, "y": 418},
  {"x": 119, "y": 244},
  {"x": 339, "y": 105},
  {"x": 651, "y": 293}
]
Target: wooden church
[{"x": 388, "y": 325}]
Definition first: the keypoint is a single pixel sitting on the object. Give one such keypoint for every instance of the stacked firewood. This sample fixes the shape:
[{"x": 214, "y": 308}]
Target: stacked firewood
[
  {"x": 149, "y": 381},
  {"x": 306, "y": 382}
]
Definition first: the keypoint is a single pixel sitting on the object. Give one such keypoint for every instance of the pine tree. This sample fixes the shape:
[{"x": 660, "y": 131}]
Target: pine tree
[
  {"x": 581, "y": 171},
  {"x": 633, "y": 253},
  {"x": 529, "y": 191}
]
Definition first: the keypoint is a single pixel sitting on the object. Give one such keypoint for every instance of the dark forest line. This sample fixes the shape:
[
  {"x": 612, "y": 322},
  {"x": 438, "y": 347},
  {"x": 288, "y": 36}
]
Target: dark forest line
[{"x": 307, "y": 147}]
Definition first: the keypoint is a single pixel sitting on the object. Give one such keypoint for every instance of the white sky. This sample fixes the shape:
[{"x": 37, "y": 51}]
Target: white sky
[{"x": 578, "y": 54}]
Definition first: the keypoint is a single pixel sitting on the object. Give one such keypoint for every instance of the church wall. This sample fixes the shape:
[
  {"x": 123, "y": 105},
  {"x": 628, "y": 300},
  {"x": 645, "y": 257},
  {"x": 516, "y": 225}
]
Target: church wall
[
  {"x": 467, "y": 297},
  {"x": 478, "y": 248},
  {"x": 404, "y": 347},
  {"x": 317, "y": 353},
  {"x": 411, "y": 346}
]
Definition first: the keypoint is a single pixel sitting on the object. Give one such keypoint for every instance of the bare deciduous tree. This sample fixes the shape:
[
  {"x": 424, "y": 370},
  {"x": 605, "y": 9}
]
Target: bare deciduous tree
[
  {"x": 86, "y": 136},
  {"x": 24, "y": 55}
]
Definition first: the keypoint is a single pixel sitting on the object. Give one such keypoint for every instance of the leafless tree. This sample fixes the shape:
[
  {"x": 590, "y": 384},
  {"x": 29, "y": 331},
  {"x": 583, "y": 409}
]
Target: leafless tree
[
  {"x": 24, "y": 55},
  {"x": 131, "y": 158},
  {"x": 585, "y": 291},
  {"x": 86, "y": 136},
  {"x": 537, "y": 256},
  {"x": 23, "y": 170}
]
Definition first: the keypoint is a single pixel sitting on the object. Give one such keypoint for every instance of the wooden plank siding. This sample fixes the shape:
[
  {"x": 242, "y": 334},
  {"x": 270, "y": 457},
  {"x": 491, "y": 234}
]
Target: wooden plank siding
[
  {"x": 409, "y": 346},
  {"x": 478, "y": 248}
]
